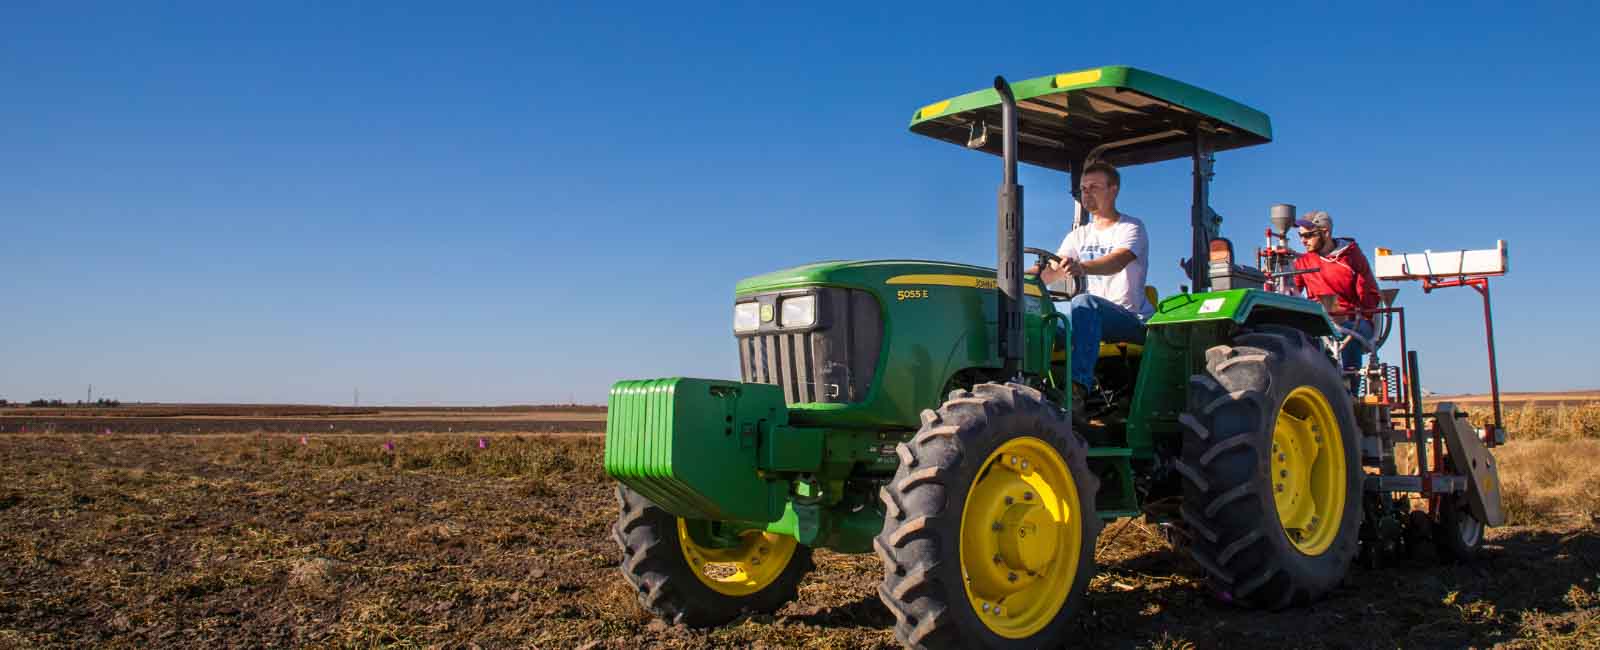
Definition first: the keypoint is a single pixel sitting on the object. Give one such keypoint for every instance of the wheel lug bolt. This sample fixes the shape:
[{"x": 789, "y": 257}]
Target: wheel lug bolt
[
  {"x": 1009, "y": 501},
  {"x": 986, "y": 607},
  {"x": 1027, "y": 496},
  {"x": 1013, "y": 460},
  {"x": 1280, "y": 457},
  {"x": 1280, "y": 487},
  {"x": 1283, "y": 473},
  {"x": 998, "y": 559},
  {"x": 1024, "y": 464},
  {"x": 1011, "y": 576},
  {"x": 996, "y": 526}
]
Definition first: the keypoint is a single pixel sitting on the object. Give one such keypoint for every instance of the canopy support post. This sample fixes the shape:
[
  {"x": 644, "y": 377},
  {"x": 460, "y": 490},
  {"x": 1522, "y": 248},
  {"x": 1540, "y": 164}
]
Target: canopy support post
[{"x": 1200, "y": 220}]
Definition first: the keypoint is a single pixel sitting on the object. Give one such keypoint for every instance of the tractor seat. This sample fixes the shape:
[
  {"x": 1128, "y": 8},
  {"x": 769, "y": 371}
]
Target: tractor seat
[
  {"x": 1113, "y": 350},
  {"x": 1130, "y": 350},
  {"x": 1109, "y": 350}
]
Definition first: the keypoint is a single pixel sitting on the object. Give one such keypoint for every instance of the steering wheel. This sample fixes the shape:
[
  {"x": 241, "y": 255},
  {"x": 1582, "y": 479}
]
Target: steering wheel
[{"x": 1047, "y": 256}]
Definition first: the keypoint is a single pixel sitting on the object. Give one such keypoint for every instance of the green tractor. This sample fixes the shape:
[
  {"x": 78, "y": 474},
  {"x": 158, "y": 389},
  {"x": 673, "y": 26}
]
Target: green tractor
[{"x": 920, "y": 410}]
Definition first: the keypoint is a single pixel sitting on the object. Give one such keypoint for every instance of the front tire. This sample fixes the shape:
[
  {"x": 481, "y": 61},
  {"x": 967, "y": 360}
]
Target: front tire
[
  {"x": 1272, "y": 471},
  {"x": 680, "y": 581},
  {"x": 989, "y": 524}
]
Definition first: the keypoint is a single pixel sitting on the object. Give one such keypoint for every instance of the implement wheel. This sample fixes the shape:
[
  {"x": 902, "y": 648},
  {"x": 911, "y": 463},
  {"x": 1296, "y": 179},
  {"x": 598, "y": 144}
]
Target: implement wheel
[
  {"x": 683, "y": 582},
  {"x": 989, "y": 524},
  {"x": 1458, "y": 537},
  {"x": 1272, "y": 472}
]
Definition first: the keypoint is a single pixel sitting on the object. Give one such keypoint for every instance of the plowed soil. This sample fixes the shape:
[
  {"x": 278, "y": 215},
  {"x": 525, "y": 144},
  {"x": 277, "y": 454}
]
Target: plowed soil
[
  {"x": 282, "y": 418},
  {"x": 271, "y": 540}
]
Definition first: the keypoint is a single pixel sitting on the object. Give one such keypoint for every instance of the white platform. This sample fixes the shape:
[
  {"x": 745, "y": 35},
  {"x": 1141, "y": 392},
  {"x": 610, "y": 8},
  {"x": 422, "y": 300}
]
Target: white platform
[{"x": 1440, "y": 264}]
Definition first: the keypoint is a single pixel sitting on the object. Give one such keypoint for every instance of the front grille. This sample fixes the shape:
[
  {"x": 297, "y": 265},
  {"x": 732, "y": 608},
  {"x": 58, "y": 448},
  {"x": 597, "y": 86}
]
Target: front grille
[
  {"x": 832, "y": 362},
  {"x": 785, "y": 360}
]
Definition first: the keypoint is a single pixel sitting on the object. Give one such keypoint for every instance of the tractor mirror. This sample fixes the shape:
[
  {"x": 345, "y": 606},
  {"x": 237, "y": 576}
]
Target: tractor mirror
[{"x": 979, "y": 135}]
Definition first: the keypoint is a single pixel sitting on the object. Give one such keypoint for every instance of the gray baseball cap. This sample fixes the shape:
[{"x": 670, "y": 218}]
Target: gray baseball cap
[{"x": 1315, "y": 219}]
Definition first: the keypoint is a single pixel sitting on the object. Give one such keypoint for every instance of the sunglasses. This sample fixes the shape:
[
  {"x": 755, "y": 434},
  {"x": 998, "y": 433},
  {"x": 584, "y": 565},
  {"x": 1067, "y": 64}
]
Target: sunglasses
[{"x": 1309, "y": 235}]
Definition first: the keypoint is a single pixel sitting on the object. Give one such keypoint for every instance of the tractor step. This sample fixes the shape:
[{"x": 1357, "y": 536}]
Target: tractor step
[{"x": 1117, "y": 497}]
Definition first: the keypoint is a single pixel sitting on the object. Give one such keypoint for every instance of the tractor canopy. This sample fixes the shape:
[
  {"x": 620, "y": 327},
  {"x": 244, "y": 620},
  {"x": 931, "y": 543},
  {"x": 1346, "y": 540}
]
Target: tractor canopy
[{"x": 1123, "y": 115}]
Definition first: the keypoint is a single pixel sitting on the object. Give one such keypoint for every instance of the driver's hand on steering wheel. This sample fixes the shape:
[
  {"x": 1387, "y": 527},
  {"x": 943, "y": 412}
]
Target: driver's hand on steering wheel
[{"x": 1058, "y": 270}]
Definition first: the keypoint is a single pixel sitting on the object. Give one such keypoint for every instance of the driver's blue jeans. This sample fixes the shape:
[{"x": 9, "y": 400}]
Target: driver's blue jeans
[
  {"x": 1350, "y": 356},
  {"x": 1094, "y": 320}
]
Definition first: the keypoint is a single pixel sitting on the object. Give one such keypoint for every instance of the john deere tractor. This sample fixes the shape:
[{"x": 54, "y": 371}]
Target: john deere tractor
[{"x": 920, "y": 410}]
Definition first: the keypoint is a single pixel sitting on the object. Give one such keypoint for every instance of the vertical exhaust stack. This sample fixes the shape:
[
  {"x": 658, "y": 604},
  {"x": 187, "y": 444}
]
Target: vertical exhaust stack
[{"x": 1008, "y": 225}]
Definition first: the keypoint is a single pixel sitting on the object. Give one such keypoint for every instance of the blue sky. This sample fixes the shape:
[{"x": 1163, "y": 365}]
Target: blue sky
[{"x": 526, "y": 202}]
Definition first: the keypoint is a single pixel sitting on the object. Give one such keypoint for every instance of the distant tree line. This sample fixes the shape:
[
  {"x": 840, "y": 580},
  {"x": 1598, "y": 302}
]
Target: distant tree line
[{"x": 55, "y": 403}]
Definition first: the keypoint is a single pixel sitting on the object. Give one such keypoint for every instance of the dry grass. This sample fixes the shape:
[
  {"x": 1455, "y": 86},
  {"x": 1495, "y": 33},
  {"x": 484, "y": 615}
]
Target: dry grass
[
  {"x": 1550, "y": 480},
  {"x": 1550, "y": 465},
  {"x": 1531, "y": 421}
]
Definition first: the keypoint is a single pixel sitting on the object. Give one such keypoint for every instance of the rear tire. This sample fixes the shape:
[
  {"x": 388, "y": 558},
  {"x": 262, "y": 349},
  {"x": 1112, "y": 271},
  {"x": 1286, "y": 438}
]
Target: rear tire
[
  {"x": 654, "y": 561},
  {"x": 989, "y": 524},
  {"x": 1271, "y": 458}
]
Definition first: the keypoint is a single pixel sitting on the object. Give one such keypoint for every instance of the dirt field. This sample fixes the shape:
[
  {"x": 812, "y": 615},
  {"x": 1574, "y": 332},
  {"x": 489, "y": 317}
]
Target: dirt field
[
  {"x": 289, "y": 418},
  {"x": 252, "y": 540}
]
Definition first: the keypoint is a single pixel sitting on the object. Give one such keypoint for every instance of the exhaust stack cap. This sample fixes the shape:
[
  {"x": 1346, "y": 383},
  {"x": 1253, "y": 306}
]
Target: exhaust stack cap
[{"x": 1282, "y": 217}]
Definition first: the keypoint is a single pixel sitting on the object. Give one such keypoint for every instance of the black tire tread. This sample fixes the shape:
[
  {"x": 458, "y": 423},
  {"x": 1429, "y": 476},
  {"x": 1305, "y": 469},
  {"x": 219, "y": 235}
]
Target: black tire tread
[
  {"x": 916, "y": 509},
  {"x": 1237, "y": 538},
  {"x": 653, "y": 564}
]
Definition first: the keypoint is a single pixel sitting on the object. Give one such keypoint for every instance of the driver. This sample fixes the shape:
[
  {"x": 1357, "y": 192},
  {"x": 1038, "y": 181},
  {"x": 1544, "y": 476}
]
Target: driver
[{"x": 1110, "y": 251}]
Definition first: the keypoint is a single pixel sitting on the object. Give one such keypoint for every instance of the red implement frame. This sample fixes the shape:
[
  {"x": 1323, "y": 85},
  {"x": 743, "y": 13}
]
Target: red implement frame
[
  {"x": 1481, "y": 284},
  {"x": 1427, "y": 461}
]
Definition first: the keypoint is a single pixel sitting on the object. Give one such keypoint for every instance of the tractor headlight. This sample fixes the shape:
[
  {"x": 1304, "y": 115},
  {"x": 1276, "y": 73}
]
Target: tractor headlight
[
  {"x": 798, "y": 312},
  {"x": 746, "y": 316}
]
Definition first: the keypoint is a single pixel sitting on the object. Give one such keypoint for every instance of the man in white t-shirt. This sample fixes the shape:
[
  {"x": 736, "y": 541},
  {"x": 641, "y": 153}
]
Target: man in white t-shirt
[{"x": 1111, "y": 253}]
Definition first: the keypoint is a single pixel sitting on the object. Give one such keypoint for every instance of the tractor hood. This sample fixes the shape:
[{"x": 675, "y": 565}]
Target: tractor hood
[{"x": 875, "y": 276}]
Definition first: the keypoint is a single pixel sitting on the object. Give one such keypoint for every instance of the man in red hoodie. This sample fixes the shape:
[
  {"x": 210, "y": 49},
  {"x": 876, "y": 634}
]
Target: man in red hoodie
[{"x": 1341, "y": 271}]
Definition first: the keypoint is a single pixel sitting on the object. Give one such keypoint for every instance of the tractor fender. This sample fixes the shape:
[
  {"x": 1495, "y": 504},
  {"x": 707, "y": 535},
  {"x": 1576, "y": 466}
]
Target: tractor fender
[{"x": 1252, "y": 307}]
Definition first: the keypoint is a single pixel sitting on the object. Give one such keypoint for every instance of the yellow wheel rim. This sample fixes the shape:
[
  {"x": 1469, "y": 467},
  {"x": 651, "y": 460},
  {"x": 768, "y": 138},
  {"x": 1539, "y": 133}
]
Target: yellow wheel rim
[
  {"x": 1308, "y": 470},
  {"x": 1021, "y": 537},
  {"x": 742, "y": 570}
]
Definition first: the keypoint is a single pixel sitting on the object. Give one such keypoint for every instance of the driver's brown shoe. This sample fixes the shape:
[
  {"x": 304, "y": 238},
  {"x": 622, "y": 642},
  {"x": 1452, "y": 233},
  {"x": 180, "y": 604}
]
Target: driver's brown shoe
[{"x": 1080, "y": 405}]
